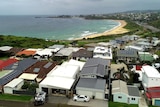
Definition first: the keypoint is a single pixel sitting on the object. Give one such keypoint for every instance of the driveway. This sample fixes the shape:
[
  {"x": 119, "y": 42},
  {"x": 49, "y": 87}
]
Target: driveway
[
  {"x": 65, "y": 100},
  {"x": 91, "y": 103}
]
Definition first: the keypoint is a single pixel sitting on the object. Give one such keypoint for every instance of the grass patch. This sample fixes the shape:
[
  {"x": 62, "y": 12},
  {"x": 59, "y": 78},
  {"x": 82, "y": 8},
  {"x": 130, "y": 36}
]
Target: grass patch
[
  {"x": 23, "y": 98},
  {"x": 115, "y": 104}
]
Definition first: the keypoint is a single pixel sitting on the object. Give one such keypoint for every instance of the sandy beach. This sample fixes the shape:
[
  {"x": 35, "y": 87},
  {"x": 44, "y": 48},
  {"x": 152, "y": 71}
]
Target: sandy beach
[{"x": 117, "y": 30}]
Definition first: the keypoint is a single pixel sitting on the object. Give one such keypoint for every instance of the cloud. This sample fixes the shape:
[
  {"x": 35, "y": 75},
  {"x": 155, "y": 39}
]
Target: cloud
[{"x": 73, "y": 6}]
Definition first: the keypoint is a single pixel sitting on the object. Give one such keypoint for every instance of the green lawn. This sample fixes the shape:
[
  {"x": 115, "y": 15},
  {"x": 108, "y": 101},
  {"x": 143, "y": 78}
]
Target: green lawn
[
  {"x": 24, "y": 98},
  {"x": 115, "y": 104}
]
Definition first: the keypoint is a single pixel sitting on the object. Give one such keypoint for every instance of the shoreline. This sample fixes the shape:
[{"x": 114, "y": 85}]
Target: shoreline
[{"x": 119, "y": 29}]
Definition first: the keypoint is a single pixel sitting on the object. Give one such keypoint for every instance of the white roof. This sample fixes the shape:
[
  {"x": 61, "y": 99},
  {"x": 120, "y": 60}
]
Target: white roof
[
  {"x": 64, "y": 52},
  {"x": 74, "y": 62},
  {"x": 45, "y": 52},
  {"x": 5, "y": 48},
  {"x": 58, "y": 82},
  {"x": 100, "y": 49},
  {"x": 68, "y": 71},
  {"x": 102, "y": 52},
  {"x": 14, "y": 83},
  {"x": 134, "y": 47},
  {"x": 75, "y": 49},
  {"x": 28, "y": 76},
  {"x": 150, "y": 71}
]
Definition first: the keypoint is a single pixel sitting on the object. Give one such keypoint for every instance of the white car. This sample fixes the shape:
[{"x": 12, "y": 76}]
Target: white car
[{"x": 81, "y": 98}]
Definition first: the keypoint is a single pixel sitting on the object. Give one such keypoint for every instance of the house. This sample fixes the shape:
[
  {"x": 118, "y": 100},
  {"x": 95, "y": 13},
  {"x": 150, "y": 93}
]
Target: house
[
  {"x": 93, "y": 77},
  {"x": 82, "y": 54},
  {"x": 153, "y": 96},
  {"x": 7, "y": 62},
  {"x": 102, "y": 52},
  {"x": 127, "y": 55},
  {"x": 133, "y": 47},
  {"x": 56, "y": 47},
  {"x": 146, "y": 57},
  {"x": 150, "y": 77},
  {"x": 123, "y": 93},
  {"x": 64, "y": 53},
  {"x": 38, "y": 71},
  {"x": 16, "y": 69},
  {"x": 5, "y": 48},
  {"x": 74, "y": 62},
  {"x": 27, "y": 52},
  {"x": 15, "y": 84},
  {"x": 92, "y": 87},
  {"x": 60, "y": 80},
  {"x": 43, "y": 53}
]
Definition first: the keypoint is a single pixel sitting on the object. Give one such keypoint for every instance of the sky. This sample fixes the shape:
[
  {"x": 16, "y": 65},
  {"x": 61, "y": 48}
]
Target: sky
[{"x": 73, "y": 7}]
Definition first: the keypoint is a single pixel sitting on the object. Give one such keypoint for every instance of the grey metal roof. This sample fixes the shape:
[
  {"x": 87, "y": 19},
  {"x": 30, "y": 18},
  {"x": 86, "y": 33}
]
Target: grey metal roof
[
  {"x": 133, "y": 91},
  {"x": 21, "y": 66},
  {"x": 96, "y": 61},
  {"x": 91, "y": 83},
  {"x": 94, "y": 70},
  {"x": 83, "y": 53},
  {"x": 127, "y": 53},
  {"x": 56, "y": 46}
]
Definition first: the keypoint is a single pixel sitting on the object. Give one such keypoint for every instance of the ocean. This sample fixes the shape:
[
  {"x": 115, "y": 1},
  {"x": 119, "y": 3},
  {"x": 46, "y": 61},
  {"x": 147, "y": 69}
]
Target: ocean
[{"x": 53, "y": 28}]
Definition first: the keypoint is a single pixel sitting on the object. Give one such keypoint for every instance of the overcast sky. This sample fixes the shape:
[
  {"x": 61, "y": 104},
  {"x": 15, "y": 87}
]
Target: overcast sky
[{"x": 54, "y": 7}]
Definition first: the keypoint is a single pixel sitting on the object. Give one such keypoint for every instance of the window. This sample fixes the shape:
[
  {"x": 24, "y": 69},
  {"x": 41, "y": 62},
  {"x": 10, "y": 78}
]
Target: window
[
  {"x": 133, "y": 99},
  {"x": 119, "y": 96}
]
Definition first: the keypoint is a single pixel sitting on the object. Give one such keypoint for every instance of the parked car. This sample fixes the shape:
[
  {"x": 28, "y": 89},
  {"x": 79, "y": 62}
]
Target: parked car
[
  {"x": 81, "y": 98},
  {"x": 40, "y": 98}
]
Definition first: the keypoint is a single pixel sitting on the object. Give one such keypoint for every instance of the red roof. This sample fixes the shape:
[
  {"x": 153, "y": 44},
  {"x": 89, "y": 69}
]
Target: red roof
[
  {"x": 26, "y": 52},
  {"x": 1, "y": 62},
  {"x": 7, "y": 63},
  {"x": 138, "y": 67},
  {"x": 153, "y": 92}
]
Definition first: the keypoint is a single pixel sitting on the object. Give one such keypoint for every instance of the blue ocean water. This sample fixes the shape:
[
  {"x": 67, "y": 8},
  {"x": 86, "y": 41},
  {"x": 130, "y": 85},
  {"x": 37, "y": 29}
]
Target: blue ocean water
[{"x": 52, "y": 28}]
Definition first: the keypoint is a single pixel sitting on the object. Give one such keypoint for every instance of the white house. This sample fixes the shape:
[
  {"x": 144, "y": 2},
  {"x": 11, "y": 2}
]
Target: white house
[
  {"x": 150, "y": 77},
  {"x": 102, "y": 52},
  {"x": 60, "y": 80},
  {"x": 15, "y": 84}
]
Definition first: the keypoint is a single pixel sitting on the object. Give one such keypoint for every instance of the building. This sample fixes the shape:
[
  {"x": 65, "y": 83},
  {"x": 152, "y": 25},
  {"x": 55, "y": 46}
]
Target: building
[
  {"x": 60, "y": 80},
  {"x": 64, "y": 53},
  {"x": 153, "y": 96},
  {"x": 123, "y": 93},
  {"x": 82, "y": 54},
  {"x": 150, "y": 77},
  {"x": 127, "y": 55},
  {"x": 145, "y": 57},
  {"x": 92, "y": 87},
  {"x": 38, "y": 71},
  {"x": 102, "y": 52},
  {"x": 14, "y": 70},
  {"x": 93, "y": 78},
  {"x": 15, "y": 84},
  {"x": 5, "y": 63}
]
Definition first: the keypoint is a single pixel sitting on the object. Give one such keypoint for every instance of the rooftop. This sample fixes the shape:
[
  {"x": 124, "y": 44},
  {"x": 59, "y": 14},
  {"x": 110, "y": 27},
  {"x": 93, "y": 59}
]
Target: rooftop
[
  {"x": 14, "y": 83},
  {"x": 127, "y": 53},
  {"x": 133, "y": 91},
  {"x": 150, "y": 71},
  {"x": 119, "y": 86},
  {"x": 92, "y": 83}
]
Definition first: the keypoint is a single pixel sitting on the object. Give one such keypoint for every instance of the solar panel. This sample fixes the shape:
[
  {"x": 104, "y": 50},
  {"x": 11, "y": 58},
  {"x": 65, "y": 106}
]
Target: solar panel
[
  {"x": 36, "y": 70},
  {"x": 48, "y": 65}
]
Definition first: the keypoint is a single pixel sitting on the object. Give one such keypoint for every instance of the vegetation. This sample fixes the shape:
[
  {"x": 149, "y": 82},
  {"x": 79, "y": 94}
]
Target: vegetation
[
  {"x": 155, "y": 23},
  {"x": 115, "y": 104},
  {"x": 24, "y": 98}
]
